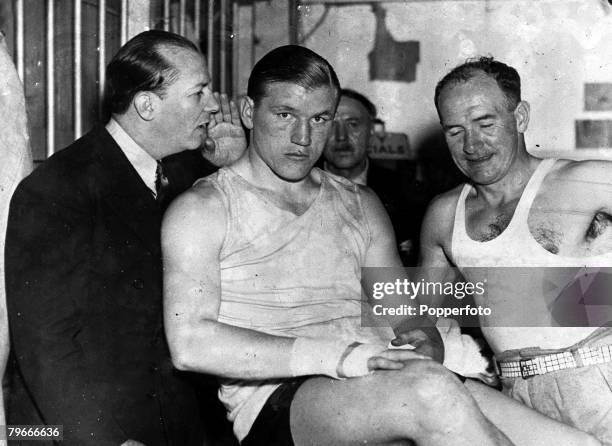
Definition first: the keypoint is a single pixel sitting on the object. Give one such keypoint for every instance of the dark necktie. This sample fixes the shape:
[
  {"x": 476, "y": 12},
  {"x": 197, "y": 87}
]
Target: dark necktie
[{"x": 161, "y": 182}]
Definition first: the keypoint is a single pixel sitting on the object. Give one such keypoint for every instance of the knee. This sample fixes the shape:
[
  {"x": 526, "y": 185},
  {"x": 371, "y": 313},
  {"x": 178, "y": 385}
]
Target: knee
[
  {"x": 431, "y": 381},
  {"x": 436, "y": 392}
]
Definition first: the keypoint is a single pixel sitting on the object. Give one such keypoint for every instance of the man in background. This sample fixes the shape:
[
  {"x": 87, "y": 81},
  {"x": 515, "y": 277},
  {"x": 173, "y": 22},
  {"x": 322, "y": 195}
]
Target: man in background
[{"x": 346, "y": 154}]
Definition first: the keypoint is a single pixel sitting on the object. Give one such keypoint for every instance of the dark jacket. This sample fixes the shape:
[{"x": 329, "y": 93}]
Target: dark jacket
[{"x": 84, "y": 297}]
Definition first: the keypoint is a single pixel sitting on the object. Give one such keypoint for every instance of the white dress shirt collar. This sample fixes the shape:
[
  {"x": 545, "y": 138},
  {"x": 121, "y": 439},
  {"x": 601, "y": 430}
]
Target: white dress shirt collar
[
  {"x": 144, "y": 164},
  {"x": 361, "y": 178}
]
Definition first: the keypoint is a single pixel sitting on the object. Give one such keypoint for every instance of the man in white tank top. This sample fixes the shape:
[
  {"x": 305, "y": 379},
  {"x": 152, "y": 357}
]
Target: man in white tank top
[
  {"x": 519, "y": 211},
  {"x": 262, "y": 269}
]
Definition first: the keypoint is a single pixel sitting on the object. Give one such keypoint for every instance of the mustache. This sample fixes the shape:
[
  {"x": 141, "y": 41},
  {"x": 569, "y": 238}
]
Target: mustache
[{"x": 342, "y": 147}]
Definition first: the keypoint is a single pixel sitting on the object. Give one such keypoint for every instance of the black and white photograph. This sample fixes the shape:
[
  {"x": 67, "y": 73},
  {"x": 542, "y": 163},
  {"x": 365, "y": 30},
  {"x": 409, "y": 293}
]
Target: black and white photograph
[{"x": 306, "y": 222}]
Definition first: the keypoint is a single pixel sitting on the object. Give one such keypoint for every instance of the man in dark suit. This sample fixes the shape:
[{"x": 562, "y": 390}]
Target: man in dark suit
[
  {"x": 83, "y": 260},
  {"x": 345, "y": 154}
]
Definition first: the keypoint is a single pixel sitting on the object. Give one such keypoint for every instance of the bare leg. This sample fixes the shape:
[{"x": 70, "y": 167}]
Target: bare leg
[
  {"x": 523, "y": 425},
  {"x": 422, "y": 402}
]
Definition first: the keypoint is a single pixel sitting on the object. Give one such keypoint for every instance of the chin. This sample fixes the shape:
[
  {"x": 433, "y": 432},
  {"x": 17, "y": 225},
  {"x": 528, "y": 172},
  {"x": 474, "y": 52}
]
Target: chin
[
  {"x": 484, "y": 180},
  {"x": 292, "y": 176},
  {"x": 344, "y": 163}
]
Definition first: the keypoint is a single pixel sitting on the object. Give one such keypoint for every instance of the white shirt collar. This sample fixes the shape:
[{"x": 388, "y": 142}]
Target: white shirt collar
[
  {"x": 361, "y": 178},
  {"x": 144, "y": 164}
]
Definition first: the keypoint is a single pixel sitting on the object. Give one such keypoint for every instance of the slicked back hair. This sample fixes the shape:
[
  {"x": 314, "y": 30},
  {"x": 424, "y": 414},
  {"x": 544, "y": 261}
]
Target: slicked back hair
[
  {"x": 507, "y": 78},
  {"x": 371, "y": 108},
  {"x": 293, "y": 64},
  {"x": 140, "y": 65}
]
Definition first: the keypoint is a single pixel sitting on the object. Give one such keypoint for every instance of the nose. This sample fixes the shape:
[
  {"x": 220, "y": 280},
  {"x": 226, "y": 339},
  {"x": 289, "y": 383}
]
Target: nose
[
  {"x": 339, "y": 131},
  {"x": 211, "y": 104},
  {"x": 472, "y": 142},
  {"x": 301, "y": 134}
]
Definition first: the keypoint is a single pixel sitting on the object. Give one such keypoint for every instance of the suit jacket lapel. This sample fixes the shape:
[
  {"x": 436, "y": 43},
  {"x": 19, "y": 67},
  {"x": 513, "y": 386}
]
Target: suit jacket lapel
[{"x": 123, "y": 190}]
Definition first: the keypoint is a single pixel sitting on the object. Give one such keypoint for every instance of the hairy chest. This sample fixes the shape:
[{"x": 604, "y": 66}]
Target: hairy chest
[{"x": 559, "y": 221}]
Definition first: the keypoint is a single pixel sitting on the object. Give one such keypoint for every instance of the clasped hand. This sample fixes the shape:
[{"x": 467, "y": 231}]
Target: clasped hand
[{"x": 425, "y": 340}]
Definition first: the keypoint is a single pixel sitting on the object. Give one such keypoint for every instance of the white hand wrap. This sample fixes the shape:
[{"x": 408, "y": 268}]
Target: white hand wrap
[
  {"x": 316, "y": 356},
  {"x": 356, "y": 359}
]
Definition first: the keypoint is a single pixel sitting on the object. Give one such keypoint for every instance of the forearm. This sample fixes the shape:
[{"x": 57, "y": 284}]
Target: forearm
[
  {"x": 223, "y": 350},
  {"x": 235, "y": 352}
]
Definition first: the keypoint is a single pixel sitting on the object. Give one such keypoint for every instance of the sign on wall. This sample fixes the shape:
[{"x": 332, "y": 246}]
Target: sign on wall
[{"x": 390, "y": 146}]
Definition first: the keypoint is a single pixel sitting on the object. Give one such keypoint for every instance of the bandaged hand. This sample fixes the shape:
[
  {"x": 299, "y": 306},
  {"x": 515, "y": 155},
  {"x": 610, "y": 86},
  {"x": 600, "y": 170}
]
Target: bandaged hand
[
  {"x": 336, "y": 359},
  {"x": 425, "y": 340},
  {"x": 393, "y": 359}
]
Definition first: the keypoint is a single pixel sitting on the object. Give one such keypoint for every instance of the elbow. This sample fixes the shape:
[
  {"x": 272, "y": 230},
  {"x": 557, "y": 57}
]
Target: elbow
[
  {"x": 180, "y": 363},
  {"x": 188, "y": 352},
  {"x": 181, "y": 354},
  {"x": 181, "y": 360}
]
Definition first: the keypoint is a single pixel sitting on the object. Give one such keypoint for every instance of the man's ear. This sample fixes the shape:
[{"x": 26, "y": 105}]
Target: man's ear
[
  {"x": 146, "y": 104},
  {"x": 521, "y": 114},
  {"x": 247, "y": 106}
]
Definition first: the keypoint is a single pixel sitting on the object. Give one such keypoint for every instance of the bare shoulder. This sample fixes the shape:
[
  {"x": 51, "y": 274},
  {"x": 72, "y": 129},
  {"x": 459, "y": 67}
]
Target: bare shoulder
[
  {"x": 441, "y": 209},
  {"x": 584, "y": 184},
  {"x": 587, "y": 171},
  {"x": 202, "y": 197},
  {"x": 437, "y": 227},
  {"x": 375, "y": 212},
  {"x": 197, "y": 213},
  {"x": 370, "y": 200}
]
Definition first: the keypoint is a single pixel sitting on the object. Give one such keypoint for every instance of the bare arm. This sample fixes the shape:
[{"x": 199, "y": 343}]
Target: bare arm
[
  {"x": 436, "y": 235},
  {"x": 192, "y": 235},
  {"x": 415, "y": 330}
]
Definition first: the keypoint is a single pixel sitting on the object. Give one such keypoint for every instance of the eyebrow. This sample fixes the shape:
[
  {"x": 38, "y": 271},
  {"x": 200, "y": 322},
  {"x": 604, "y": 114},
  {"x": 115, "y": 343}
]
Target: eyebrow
[
  {"x": 478, "y": 119},
  {"x": 282, "y": 107},
  {"x": 449, "y": 126},
  {"x": 277, "y": 108},
  {"x": 485, "y": 117},
  {"x": 199, "y": 86}
]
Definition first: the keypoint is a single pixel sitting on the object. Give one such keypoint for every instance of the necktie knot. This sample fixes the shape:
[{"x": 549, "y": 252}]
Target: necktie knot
[{"x": 161, "y": 182}]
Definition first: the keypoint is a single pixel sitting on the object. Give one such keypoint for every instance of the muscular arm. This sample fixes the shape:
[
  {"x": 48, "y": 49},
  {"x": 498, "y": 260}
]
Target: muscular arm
[
  {"x": 436, "y": 234},
  {"x": 192, "y": 235},
  {"x": 382, "y": 252},
  {"x": 592, "y": 181}
]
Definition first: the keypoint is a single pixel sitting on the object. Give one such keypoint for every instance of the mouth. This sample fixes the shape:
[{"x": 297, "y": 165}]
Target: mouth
[
  {"x": 343, "y": 149},
  {"x": 203, "y": 127},
  {"x": 297, "y": 156},
  {"x": 480, "y": 159}
]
